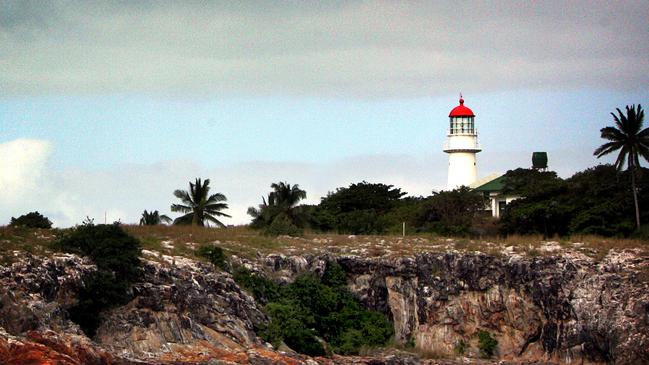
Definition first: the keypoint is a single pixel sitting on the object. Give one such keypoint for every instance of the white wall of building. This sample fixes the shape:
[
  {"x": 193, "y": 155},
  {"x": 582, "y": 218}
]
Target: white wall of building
[{"x": 462, "y": 169}]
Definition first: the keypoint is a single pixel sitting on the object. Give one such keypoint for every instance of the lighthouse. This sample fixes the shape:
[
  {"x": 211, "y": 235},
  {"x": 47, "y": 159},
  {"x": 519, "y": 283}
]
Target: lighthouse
[{"x": 461, "y": 146}]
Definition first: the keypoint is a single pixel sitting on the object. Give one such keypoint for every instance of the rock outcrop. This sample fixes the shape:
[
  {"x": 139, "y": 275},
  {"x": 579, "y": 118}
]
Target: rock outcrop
[
  {"x": 563, "y": 308},
  {"x": 183, "y": 312},
  {"x": 557, "y": 309}
]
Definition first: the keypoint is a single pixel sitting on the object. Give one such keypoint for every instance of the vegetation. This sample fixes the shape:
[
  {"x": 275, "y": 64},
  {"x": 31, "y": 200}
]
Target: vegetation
[
  {"x": 199, "y": 207},
  {"x": 593, "y": 201},
  {"x": 31, "y": 220},
  {"x": 486, "y": 344},
  {"x": 628, "y": 137},
  {"x": 311, "y": 310},
  {"x": 460, "y": 347},
  {"x": 214, "y": 255},
  {"x": 450, "y": 212},
  {"x": 116, "y": 255},
  {"x": 357, "y": 209},
  {"x": 279, "y": 214},
  {"x": 153, "y": 218}
]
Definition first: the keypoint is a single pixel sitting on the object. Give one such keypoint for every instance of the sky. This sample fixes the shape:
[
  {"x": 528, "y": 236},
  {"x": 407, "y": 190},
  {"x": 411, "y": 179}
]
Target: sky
[{"x": 107, "y": 107}]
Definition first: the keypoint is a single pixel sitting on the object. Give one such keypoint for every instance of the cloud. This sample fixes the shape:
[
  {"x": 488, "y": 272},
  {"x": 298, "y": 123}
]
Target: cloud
[
  {"x": 363, "y": 49},
  {"x": 22, "y": 163}
]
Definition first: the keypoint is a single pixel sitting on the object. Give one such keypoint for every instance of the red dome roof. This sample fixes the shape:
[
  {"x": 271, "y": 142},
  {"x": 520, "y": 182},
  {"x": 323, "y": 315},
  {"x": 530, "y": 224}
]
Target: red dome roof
[{"x": 461, "y": 111}]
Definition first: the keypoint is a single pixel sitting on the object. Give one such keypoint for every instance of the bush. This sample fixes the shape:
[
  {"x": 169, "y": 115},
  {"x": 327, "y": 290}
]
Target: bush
[
  {"x": 282, "y": 225},
  {"x": 215, "y": 255},
  {"x": 486, "y": 344},
  {"x": 109, "y": 247},
  {"x": 116, "y": 255},
  {"x": 460, "y": 347},
  {"x": 264, "y": 290},
  {"x": 31, "y": 220},
  {"x": 310, "y": 309}
]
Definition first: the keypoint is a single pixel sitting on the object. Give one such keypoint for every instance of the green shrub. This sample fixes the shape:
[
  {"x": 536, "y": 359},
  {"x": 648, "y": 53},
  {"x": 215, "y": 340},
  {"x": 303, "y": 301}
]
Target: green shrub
[
  {"x": 334, "y": 275},
  {"x": 460, "y": 347},
  {"x": 486, "y": 344},
  {"x": 116, "y": 255},
  {"x": 366, "y": 221},
  {"x": 31, "y": 220},
  {"x": 310, "y": 309},
  {"x": 109, "y": 247},
  {"x": 282, "y": 225},
  {"x": 215, "y": 255},
  {"x": 264, "y": 290},
  {"x": 289, "y": 324}
]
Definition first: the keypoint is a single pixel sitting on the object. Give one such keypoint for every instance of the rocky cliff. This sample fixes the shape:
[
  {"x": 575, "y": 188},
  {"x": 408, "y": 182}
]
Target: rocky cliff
[{"x": 563, "y": 308}]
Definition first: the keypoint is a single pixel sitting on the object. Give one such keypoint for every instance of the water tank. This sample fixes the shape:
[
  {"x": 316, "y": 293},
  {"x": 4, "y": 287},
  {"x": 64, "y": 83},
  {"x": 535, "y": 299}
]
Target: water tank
[{"x": 539, "y": 160}]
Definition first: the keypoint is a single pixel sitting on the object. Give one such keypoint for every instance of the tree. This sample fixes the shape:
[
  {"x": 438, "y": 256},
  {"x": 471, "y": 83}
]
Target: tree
[
  {"x": 31, "y": 220},
  {"x": 153, "y": 218},
  {"x": 450, "y": 212},
  {"x": 117, "y": 257},
  {"x": 358, "y": 209},
  {"x": 593, "y": 201},
  {"x": 281, "y": 203},
  {"x": 199, "y": 207},
  {"x": 631, "y": 140}
]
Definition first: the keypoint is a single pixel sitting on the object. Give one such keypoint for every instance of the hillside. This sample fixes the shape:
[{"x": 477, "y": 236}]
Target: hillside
[{"x": 583, "y": 299}]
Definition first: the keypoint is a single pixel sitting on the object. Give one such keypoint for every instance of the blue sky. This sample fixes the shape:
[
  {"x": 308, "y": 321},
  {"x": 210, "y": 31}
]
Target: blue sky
[{"x": 108, "y": 107}]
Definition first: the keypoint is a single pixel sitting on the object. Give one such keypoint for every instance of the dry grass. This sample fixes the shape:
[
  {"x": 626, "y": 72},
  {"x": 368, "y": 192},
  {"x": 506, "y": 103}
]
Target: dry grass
[
  {"x": 245, "y": 242},
  {"x": 183, "y": 240},
  {"x": 35, "y": 241}
]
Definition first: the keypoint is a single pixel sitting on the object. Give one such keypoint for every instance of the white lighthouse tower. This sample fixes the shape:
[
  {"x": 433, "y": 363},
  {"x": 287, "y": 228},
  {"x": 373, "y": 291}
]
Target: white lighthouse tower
[{"x": 461, "y": 146}]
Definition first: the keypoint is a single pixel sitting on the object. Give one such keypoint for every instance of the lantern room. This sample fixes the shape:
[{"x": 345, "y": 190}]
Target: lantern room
[{"x": 461, "y": 120}]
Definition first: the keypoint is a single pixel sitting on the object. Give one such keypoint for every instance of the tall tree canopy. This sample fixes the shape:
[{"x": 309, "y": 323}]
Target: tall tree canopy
[
  {"x": 358, "y": 209},
  {"x": 593, "y": 201},
  {"x": 199, "y": 207},
  {"x": 627, "y": 137}
]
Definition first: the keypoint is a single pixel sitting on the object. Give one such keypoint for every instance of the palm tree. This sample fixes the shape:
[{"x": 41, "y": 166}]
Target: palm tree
[
  {"x": 153, "y": 218},
  {"x": 282, "y": 199},
  {"x": 199, "y": 207},
  {"x": 285, "y": 195},
  {"x": 627, "y": 136}
]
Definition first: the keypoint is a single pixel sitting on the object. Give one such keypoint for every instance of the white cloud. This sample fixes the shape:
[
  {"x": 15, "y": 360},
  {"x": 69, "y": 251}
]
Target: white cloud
[
  {"x": 369, "y": 48},
  {"x": 22, "y": 163}
]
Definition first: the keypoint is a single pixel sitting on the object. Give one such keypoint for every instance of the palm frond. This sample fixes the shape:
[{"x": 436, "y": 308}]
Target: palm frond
[
  {"x": 180, "y": 208},
  {"x": 165, "y": 219},
  {"x": 183, "y": 196},
  {"x": 607, "y": 148},
  {"x": 621, "y": 158},
  {"x": 217, "y": 213},
  {"x": 612, "y": 134},
  {"x": 199, "y": 204},
  {"x": 184, "y": 219},
  {"x": 215, "y": 221}
]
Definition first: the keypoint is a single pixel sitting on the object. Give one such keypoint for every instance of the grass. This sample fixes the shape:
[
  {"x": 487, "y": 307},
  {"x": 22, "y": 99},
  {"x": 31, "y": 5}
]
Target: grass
[
  {"x": 248, "y": 243},
  {"x": 34, "y": 241}
]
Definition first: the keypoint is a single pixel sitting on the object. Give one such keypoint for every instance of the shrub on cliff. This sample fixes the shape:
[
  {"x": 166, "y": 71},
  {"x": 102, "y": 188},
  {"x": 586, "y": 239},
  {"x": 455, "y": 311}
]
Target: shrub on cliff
[
  {"x": 31, "y": 220},
  {"x": 310, "y": 309},
  {"x": 116, "y": 255},
  {"x": 215, "y": 255},
  {"x": 486, "y": 344}
]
